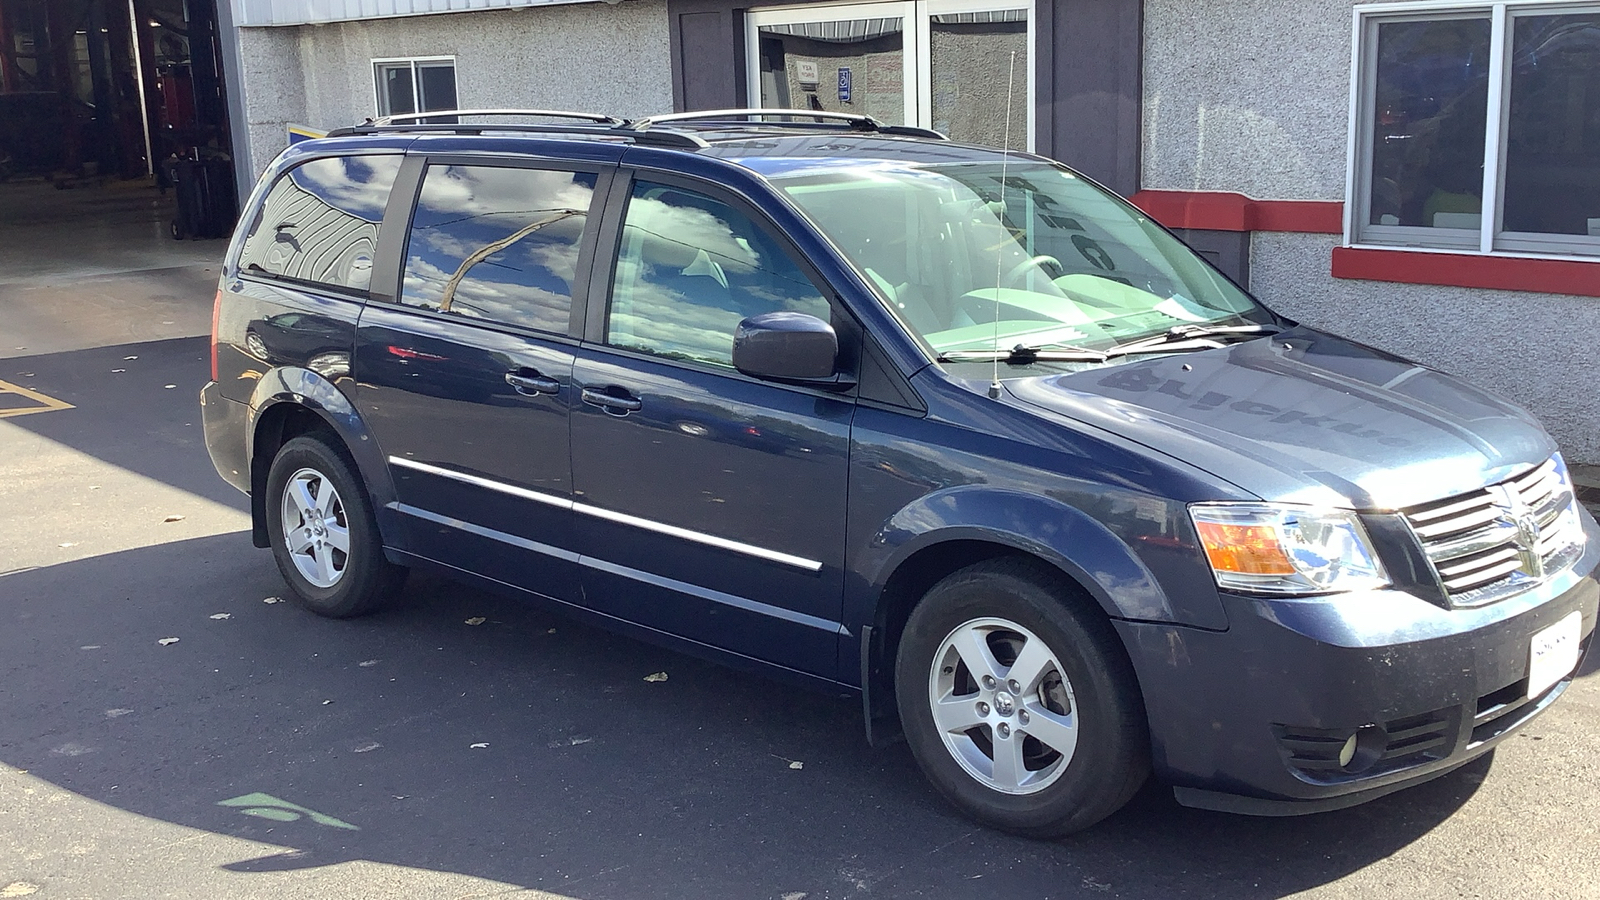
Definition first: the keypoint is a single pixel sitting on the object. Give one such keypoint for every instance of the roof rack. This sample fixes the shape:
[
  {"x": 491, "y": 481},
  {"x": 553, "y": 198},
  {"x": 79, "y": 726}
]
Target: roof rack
[
  {"x": 647, "y": 130},
  {"x": 528, "y": 113},
  {"x": 596, "y": 124},
  {"x": 854, "y": 121}
]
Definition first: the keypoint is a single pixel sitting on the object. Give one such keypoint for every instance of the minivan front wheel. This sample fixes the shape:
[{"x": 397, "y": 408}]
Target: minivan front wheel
[
  {"x": 1018, "y": 703},
  {"x": 323, "y": 533}
]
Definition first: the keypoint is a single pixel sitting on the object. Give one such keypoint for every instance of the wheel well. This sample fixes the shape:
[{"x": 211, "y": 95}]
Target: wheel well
[
  {"x": 905, "y": 587},
  {"x": 921, "y": 571},
  {"x": 277, "y": 426},
  {"x": 901, "y": 593}
]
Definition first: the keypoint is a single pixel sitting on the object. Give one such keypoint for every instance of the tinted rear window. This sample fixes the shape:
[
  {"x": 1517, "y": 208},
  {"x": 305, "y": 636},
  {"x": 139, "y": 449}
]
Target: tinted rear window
[{"x": 319, "y": 223}]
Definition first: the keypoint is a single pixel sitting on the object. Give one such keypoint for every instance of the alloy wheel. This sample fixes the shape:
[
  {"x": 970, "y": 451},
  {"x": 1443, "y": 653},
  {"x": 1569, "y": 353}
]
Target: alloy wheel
[
  {"x": 1003, "y": 705},
  {"x": 315, "y": 528}
]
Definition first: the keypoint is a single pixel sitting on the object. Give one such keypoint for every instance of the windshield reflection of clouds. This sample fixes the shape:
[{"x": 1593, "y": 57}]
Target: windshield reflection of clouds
[
  {"x": 690, "y": 269},
  {"x": 465, "y": 209}
]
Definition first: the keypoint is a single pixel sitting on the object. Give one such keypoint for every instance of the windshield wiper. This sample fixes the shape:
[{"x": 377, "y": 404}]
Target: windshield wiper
[
  {"x": 1190, "y": 337},
  {"x": 1022, "y": 355},
  {"x": 1178, "y": 337}
]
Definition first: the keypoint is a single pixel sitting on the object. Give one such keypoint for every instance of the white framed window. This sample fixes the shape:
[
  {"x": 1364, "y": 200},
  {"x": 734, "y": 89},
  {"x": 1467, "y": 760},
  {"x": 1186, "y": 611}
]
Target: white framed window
[
  {"x": 942, "y": 64},
  {"x": 1476, "y": 127},
  {"x": 419, "y": 84}
]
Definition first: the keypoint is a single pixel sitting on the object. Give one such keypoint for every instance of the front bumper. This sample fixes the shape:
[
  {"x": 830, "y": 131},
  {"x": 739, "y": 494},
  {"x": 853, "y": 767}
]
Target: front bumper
[{"x": 1251, "y": 720}]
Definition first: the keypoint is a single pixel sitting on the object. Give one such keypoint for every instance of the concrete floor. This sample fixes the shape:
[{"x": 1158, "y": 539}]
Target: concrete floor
[
  {"x": 94, "y": 266},
  {"x": 55, "y": 236},
  {"x": 268, "y": 753}
]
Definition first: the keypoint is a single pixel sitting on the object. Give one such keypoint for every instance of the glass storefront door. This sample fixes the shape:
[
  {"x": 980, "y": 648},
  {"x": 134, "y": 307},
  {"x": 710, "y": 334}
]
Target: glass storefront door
[
  {"x": 838, "y": 58},
  {"x": 942, "y": 64},
  {"x": 972, "y": 77}
]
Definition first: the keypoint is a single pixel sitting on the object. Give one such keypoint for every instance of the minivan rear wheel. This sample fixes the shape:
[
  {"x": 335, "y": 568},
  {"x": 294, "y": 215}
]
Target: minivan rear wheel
[
  {"x": 323, "y": 533},
  {"x": 1018, "y": 702}
]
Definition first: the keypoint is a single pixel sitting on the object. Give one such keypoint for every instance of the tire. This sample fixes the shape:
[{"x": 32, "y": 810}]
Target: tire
[
  {"x": 1076, "y": 731},
  {"x": 325, "y": 578}
]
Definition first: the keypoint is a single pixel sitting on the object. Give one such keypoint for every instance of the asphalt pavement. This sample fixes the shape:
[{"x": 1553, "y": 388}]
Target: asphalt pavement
[{"x": 461, "y": 744}]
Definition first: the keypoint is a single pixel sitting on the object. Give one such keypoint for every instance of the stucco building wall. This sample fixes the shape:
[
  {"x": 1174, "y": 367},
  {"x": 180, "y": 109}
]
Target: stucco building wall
[
  {"x": 1249, "y": 96},
  {"x": 591, "y": 56},
  {"x": 272, "y": 89},
  {"x": 1252, "y": 96}
]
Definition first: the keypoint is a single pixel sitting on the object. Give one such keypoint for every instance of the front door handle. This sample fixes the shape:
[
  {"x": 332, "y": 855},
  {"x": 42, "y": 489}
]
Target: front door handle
[
  {"x": 619, "y": 403},
  {"x": 530, "y": 382}
]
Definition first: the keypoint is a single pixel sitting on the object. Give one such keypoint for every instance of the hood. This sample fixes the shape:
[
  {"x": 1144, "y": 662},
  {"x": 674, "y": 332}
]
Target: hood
[{"x": 1306, "y": 417}]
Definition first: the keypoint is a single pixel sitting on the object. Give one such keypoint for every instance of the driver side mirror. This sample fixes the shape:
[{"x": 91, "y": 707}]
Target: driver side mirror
[{"x": 786, "y": 346}]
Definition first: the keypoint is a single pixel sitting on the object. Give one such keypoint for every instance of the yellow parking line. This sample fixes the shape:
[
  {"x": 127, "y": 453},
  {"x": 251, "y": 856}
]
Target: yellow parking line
[{"x": 46, "y": 404}]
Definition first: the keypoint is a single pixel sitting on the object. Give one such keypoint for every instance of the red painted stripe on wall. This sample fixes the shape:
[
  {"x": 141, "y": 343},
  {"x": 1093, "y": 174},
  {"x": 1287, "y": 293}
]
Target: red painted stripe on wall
[
  {"x": 1548, "y": 276},
  {"x": 1221, "y": 211}
]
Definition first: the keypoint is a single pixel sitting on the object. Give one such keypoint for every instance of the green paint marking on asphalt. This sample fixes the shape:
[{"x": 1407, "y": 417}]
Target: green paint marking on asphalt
[
  {"x": 266, "y": 806},
  {"x": 273, "y": 813}
]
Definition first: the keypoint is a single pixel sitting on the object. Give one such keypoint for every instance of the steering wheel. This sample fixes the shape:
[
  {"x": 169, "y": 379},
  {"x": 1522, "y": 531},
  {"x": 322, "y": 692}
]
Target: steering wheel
[{"x": 1040, "y": 261}]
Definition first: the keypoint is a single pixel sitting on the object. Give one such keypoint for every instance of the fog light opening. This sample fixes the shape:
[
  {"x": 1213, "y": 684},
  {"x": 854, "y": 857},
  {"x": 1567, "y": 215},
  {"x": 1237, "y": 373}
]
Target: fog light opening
[{"x": 1363, "y": 749}]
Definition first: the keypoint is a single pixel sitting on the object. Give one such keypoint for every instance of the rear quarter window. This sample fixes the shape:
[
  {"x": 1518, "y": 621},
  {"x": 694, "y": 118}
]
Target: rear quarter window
[{"x": 319, "y": 223}]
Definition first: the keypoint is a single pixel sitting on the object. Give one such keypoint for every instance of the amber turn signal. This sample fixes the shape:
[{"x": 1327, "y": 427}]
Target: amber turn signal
[{"x": 1246, "y": 549}]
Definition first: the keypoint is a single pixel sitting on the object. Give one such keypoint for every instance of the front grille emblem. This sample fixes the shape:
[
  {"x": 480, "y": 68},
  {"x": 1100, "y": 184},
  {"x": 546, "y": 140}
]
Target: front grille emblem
[{"x": 1514, "y": 514}]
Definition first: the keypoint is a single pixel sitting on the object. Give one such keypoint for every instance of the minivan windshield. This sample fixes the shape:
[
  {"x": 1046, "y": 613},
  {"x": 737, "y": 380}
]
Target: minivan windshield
[{"x": 978, "y": 258}]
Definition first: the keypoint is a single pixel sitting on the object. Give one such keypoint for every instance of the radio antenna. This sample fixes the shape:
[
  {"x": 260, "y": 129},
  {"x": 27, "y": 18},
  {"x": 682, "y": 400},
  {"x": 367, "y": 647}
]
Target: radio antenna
[{"x": 999, "y": 255}]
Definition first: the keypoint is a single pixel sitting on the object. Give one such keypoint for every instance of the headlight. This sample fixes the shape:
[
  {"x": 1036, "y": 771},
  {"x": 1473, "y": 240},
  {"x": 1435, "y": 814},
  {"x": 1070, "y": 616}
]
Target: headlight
[
  {"x": 1564, "y": 477},
  {"x": 1569, "y": 525},
  {"x": 1280, "y": 549}
]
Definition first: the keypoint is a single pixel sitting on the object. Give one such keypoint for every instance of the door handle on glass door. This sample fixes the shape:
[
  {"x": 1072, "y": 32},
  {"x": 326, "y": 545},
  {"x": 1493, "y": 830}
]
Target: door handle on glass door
[
  {"x": 529, "y": 381},
  {"x": 618, "y": 404}
]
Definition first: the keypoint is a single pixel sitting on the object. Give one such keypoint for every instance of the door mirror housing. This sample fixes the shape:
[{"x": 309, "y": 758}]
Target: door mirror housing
[{"x": 786, "y": 346}]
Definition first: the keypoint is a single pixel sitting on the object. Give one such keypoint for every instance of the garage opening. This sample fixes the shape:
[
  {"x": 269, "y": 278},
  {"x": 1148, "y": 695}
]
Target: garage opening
[
  {"x": 117, "y": 99},
  {"x": 114, "y": 140}
]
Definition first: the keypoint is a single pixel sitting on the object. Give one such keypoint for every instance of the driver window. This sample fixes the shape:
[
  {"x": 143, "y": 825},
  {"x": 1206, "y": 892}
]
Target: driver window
[{"x": 690, "y": 268}]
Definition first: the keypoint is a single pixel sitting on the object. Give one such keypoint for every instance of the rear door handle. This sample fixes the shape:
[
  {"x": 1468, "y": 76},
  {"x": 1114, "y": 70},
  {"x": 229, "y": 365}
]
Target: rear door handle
[
  {"x": 618, "y": 404},
  {"x": 531, "y": 382}
]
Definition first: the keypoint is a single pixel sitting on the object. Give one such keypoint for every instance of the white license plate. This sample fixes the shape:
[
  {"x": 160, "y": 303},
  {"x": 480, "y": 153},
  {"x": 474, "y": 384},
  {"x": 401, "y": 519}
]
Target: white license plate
[{"x": 1554, "y": 654}]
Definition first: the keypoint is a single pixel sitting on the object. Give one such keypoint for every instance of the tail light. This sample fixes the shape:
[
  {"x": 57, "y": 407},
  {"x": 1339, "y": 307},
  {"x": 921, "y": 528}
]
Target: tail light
[{"x": 216, "y": 316}]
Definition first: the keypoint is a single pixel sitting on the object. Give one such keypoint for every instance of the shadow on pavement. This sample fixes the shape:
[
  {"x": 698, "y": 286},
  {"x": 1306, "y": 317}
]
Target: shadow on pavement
[
  {"x": 125, "y": 413},
  {"x": 1590, "y": 663},
  {"x": 356, "y": 740}
]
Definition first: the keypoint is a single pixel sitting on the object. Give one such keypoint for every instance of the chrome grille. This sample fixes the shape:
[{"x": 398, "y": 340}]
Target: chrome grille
[{"x": 1493, "y": 542}]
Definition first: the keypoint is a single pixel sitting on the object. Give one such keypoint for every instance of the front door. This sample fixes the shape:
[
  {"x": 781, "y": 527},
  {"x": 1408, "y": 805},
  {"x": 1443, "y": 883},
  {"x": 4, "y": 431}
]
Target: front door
[
  {"x": 466, "y": 380},
  {"x": 709, "y": 504}
]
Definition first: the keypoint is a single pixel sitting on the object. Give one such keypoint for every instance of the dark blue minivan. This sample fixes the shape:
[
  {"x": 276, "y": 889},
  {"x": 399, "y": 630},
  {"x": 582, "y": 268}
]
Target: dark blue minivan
[{"x": 863, "y": 408}]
